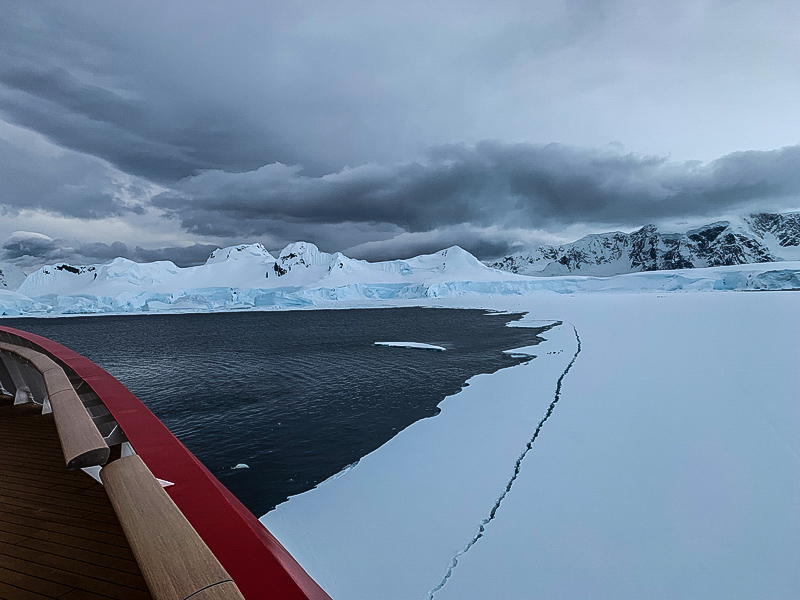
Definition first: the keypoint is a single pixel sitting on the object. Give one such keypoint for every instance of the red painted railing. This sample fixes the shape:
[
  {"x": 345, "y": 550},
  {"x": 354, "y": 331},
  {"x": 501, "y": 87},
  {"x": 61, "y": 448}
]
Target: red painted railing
[{"x": 258, "y": 563}]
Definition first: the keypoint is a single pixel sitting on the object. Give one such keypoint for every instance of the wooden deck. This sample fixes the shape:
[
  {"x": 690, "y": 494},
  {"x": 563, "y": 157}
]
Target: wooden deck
[{"x": 59, "y": 536}]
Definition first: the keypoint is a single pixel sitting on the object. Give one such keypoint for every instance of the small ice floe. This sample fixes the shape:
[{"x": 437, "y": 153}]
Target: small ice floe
[
  {"x": 526, "y": 352},
  {"x": 418, "y": 345},
  {"x": 241, "y": 466},
  {"x": 520, "y": 354}
]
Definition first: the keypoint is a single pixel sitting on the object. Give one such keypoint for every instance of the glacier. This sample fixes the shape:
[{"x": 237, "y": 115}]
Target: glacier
[{"x": 248, "y": 277}]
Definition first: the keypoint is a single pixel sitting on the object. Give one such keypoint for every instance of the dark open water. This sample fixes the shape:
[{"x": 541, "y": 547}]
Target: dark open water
[{"x": 295, "y": 395}]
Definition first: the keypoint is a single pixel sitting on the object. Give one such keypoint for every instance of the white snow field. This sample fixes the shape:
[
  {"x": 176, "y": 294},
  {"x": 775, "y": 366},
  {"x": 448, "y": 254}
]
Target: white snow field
[
  {"x": 416, "y": 345},
  {"x": 669, "y": 468}
]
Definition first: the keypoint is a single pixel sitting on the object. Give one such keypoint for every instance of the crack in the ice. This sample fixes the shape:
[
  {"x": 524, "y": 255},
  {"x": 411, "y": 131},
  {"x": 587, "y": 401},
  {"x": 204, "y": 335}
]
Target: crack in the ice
[{"x": 517, "y": 466}]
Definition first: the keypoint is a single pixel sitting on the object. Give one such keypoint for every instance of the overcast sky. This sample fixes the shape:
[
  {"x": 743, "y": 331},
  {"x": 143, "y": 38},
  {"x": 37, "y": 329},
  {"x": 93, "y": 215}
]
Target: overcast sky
[{"x": 385, "y": 129}]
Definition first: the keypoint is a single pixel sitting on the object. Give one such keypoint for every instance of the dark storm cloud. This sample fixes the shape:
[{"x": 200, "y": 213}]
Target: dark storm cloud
[
  {"x": 144, "y": 140},
  {"x": 112, "y": 84},
  {"x": 211, "y": 100},
  {"x": 62, "y": 89},
  {"x": 483, "y": 243},
  {"x": 65, "y": 183},
  {"x": 33, "y": 249},
  {"x": 164, "y": 90},
  {"x": 490, "y": 184},
  {"x": 90, "y": 120},
  {"x": 183, "y": 256}
]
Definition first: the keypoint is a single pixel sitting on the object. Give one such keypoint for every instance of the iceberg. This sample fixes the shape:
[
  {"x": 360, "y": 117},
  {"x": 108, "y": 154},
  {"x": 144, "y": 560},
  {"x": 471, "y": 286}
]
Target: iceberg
[{"x": 418, "y": 345}]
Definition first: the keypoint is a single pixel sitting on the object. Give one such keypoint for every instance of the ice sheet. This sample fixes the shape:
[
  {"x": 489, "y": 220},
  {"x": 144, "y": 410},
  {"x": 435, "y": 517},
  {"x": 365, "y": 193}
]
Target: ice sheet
[{"x": 668, "y": 469}]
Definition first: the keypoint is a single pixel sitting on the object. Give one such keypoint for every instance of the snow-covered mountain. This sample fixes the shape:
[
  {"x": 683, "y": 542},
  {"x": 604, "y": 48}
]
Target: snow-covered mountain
[
  {"x": 11, "y": 276},
  {"x": 243, "y": 276},
  {"x": 248, "y": 277},
  {"x": 757, "y": 238}
]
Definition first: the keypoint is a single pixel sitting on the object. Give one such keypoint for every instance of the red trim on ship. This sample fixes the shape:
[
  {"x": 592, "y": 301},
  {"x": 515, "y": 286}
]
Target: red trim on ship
[{"x": 257, "y": 562}]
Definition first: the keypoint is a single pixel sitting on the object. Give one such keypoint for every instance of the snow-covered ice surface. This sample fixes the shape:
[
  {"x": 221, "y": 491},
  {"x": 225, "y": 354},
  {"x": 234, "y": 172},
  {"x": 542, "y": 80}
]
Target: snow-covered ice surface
[
  {"x": 418, "y": 345},
  {"x": 669, "y": 468}
]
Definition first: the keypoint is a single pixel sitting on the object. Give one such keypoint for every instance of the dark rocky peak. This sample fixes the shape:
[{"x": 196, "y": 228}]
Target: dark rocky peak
[
  {"x": 68, "y": 268},
  {"x": 708, "y": 234},
  {"x": 65, "y": 268},
  {"x": 758, "y": 238},
  {"x": 785, "y": 227}
]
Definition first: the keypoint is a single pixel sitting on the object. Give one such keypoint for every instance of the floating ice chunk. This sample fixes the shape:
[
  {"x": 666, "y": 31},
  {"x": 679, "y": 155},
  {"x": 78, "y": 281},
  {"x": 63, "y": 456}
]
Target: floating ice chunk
[
  {"x": 418, "y": 345},
  {"x": 518, "y": 354},
  {"x": 241, "y": 466}
]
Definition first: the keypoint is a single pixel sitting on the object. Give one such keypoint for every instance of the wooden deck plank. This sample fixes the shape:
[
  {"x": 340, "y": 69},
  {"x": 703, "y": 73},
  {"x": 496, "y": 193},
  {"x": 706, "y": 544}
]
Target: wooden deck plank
[
  {"x": 45, "y": 440},
  {"x": 71, "y": 565},
  {"x": 8, "y": 592},
  {"x": 56, "y": 498},
  {"x": 109, "y": 532},
  {"x": 69, "y": 493},
  {"x": 27, "y": 462},
  {"x": 40, "y": 452},
  {"x": 68, "y": 542},
  {"x": 75, "y": 483},
  {"x": 34, "y": 411},
  {"x": 89, "y": 556},
  {"x": 82, "y": 595},
  {"x": 11, "y": 538},
  {"x": 86, "y": 511},
  {"x": 57, "y": 512},
  {"x": 26, "y": 477},
  {"x": 70, "y": 579},
  {"x": 51, "y": 468},
  {"x": 71, "y": 530},
  {"x": 26, "y": 500},
  {"x": 30, "y": 583},
  {"x": 59, "y": 536}
]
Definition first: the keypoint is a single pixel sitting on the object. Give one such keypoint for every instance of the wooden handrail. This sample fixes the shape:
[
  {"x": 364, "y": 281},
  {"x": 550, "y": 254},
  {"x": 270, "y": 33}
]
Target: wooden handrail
[
  {"x": 81, "y": 442},
  {"x": 175, "y": 561},
  {"x": 55, "y": 380}
]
